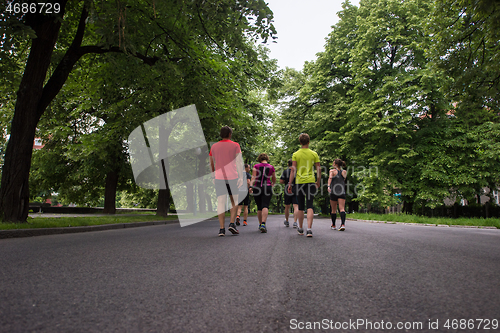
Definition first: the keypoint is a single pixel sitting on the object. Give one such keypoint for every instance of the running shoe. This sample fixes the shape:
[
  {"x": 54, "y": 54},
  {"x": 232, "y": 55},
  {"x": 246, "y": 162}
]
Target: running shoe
[
  {"x": 309, "y": 233},
  {"x": 287, "y": 224},
  {"x": 301, "y": 231},
  {"x": 342, "y": 228},
  {"x": 245, "y": 223},
  {"x": 295, "y": 225},
  {"x": 333, "y": 227},
  {"x": 237, "y": 221},
  {"x": 262, "y": 228},
  {"x": 222, "y": 232},
  {"x": 233, "y": 229}
]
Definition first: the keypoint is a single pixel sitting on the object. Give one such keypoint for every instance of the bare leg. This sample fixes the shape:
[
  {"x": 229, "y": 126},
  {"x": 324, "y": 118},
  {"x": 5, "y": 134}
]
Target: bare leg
[
  {"x": 265, "y": 212},
  {"x": 300, "y": 216},
  {"x": 259, "y": 216},
  {"x": 310, "y": 215},
  {"x": 342, "y": 213},
  {"x": 341, "y": 205},
  {"x": 221, "y": 209},
  {"x": 333, "y": 204},
  {"x": 234, "y": 207},
  {"x": 287, "y": 212},
  {"x": 295, "y": 212},
  {"x": 245, "y": 213}
]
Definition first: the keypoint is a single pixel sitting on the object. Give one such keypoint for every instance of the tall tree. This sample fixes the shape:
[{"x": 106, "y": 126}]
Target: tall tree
[
  {"x": 89, "y": 121},
  {"x": 170, "y": 31},
  {"x": 373, "y": 98}
]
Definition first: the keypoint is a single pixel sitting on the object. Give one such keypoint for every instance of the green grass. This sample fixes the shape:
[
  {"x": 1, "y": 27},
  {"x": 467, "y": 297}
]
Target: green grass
[
  {"x": 480, "y": 222},
  {"x": 81, "y": 221},
  {"x": 57, "y": 222}
]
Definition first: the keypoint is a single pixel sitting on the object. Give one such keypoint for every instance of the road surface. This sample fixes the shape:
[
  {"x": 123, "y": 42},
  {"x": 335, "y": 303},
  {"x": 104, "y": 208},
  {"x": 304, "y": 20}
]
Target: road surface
[{"x": 172, "y": 279}]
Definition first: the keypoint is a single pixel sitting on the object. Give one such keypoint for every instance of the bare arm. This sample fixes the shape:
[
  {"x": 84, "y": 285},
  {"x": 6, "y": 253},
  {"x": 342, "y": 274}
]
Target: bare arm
[
  {"x": 330, "y": 176},
  {"x": 212, "y": 165},
  {"x": 240, "y": 168},
  {"x": 254, "y": 175},
  {"x": 318, "y": 174},
  {"x": 292, "y": 175},
  {"x": 273, "y": 179}
]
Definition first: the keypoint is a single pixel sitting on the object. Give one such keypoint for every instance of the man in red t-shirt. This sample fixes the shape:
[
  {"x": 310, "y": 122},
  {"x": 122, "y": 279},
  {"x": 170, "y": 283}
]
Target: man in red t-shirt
[{"x": 227, "y": 164}]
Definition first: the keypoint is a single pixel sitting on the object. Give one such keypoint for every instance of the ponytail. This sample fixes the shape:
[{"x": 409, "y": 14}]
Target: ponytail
[{"x": 338, "y": 162}]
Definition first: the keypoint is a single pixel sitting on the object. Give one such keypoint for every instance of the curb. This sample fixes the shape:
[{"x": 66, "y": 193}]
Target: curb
[{"x": 18, "y": 233}]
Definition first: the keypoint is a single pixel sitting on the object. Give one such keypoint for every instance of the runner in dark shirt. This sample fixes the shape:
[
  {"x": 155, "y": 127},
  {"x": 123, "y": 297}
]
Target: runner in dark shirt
[
  {"x": 336, "y": 188},
  {"x": 289, "y": 198},
  {"x": 263, "y": 180}
]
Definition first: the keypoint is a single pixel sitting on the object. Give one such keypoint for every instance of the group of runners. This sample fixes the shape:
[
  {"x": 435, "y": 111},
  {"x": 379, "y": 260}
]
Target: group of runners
[{"x": 301, "y": 185}]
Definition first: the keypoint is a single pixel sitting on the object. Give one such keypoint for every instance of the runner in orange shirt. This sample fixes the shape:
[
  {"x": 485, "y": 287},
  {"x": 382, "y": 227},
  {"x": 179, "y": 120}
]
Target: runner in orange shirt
[{"x": 227, "y": 163}]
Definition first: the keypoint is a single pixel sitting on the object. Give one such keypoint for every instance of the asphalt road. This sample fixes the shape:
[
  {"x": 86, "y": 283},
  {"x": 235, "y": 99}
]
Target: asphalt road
[{"x": 172, "y": 279}]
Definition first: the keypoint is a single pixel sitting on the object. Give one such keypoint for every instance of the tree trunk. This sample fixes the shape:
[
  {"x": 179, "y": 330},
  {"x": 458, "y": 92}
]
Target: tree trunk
[
  {"x": 163, "y": 206},
  {"x": 325, "y": 207},
  {"x": 210, "y": 208},
  {"x": 408, "y": 207},
  {"x": 202, "y": 198},
  {"x": 14, "y": 192},
  {"x": 110, "y": 192},
  {"x": 190, "y": 197},
  {"x": 202, "y": 208}
]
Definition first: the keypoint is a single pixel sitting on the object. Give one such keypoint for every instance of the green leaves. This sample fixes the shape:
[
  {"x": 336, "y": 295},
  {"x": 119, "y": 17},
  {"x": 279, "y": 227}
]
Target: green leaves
[
  {"x": 393, "y": 93},
  {"x": 465, "y": 46},
  {"x": 137, "y": 60}
]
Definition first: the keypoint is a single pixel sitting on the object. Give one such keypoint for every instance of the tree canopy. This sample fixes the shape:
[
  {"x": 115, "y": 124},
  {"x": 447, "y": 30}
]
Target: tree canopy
[
  {"x": 406, "y": 100},
  {"x": 192, "y": 45},
  {"x": 406, "y": 92}
]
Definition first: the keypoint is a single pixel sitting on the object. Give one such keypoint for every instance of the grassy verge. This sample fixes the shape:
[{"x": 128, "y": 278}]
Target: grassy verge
[
  {"x": 57, "y": 222},
  {"x": 480, "y": 222},
  {"x": 81, "y": 221}
]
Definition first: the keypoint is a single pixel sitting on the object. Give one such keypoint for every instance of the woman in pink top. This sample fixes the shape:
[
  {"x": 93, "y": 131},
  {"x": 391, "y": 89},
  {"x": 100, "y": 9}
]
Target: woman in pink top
[{"x": 261, "y": 185}]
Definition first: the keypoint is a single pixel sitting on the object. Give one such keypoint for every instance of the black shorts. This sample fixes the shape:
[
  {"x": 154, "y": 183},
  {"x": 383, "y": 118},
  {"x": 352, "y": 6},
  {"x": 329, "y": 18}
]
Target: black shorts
[
  {"x": 262, "y": 196},
  {"x": 306, "y": 192},
  {"x": 246, "y": 196},
  {"x": 290, "y": 198},
  {"x": 224, "y": 186},
  {"x": 337, "y": 192},
  {"x": 335, "y": 197}
]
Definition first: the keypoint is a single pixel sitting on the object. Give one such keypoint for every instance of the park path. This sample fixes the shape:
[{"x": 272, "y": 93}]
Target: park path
[{"x": 172, "y": 279}]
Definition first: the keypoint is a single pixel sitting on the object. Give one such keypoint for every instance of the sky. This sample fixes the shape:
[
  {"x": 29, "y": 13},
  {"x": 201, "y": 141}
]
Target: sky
[{"x": 302, "y": 27}]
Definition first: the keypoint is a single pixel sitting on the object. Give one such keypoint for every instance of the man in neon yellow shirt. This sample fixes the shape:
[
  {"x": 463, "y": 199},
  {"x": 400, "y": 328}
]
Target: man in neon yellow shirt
[{"x": 303, "y": 163}]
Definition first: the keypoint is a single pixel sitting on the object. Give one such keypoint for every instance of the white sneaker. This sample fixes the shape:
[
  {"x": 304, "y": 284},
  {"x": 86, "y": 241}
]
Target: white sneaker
[
  {"x": 333, "y": 227},
  {"x": 295, "y": 225},
  {"x": 342, "y": 228}
]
